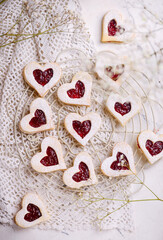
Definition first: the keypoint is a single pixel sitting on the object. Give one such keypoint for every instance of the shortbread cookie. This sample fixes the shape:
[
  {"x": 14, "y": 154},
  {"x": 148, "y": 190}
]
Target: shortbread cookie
[
  {"x": 50, "y": 158},
  {"x": 82, "y": 128},
  {"x": 33, "y": 211},
  {"x": 78, "y": 92},
  {"x": 123, "y": 108},
  {"x": 115, "y": 28},
  {"x": 151, "y": 145},
  {"x": 121, "y": 163},
  {"x": 39, "y": 119},
  {"x": 42, "y": 77},
  {"x": 82, "y": 173},
  {"x": 111, "y": 68}
]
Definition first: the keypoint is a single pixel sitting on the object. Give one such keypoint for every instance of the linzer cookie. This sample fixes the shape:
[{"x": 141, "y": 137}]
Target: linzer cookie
[
  {"x": 82, "y": 173},
  {"x": 78, "y": 92},
  {"x": 42, "y": 77},
  {"x": 82, "y": 128},
  {"x": 50, "y": 158},
  {"x": 39, "y": 119},
  {"x": 33, "y": 211},
  {"x": 113, "y": 27},
  {"x": 111, "y": 68},
  {"x": 121, "y": 162},
  {"x": 117, "y": 27},
  {"x": 123, "y": 108},
  {"x": 151, "y": 145}
]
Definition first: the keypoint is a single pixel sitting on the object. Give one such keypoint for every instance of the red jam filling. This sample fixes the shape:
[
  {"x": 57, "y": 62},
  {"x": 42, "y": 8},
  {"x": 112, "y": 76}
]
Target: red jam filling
[
  {"x": 82, "y": 128},
  {"x": 51, "y": 159},
  {"x": 121, "y": 163},
  {"x": 34, "y": 213},
  {"x": 113, "y": 29},
  {"x": 43, "y": 77},
  {"x": 78, "y": 92},
  {"x": 114, "y": 74},
  {"x": 122, "y": 108},
  {"x": 83, "y": 174},
  {"x": 154, "y": 148},
  {"x": 39, "y": 119}
]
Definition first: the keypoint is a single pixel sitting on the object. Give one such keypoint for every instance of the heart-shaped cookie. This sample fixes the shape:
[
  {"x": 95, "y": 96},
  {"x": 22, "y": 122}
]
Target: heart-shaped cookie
[
  {"x": 50, "y": 158},
  {"x": 151, "y": 145},
  {"x": 111, "y": 68},
  {"x": 121, "y": 162},
  {"x": 123, "y": 108},
  {"x": 112, "y": 27},
  {"x": 82, "y": 173},
  {"x": 82, "y": 128},
  {"x": 39, "y": 119},
  {"x": 42, "y": 77},
  {"x": 78, "y": 92},
  {"x": 33, "y": 211}
]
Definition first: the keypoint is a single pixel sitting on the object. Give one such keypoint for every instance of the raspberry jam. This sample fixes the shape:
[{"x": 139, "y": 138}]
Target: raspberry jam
[
  {"x": 43, "y": 77},
  {"x": 122, "y": 108},
  {"x": 113, "y": 29},
  {"x": 121, "y": 163},
  {"x": 34, "y": 213},
  {"x": 115, "y": 73},
  {"x": 51, "y": 159},
  {"x": 82, "y": 128},
  {"x": 78, "y": 92},
  {"x": 39, "y": 119},
  {"x": 154, "y": 148},
  {"x": 83, "y": 174}
]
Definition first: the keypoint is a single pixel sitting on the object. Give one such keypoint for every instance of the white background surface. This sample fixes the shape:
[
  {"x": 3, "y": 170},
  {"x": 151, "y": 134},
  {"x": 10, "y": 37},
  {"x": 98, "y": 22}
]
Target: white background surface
[{"x": 148, "y": 215}]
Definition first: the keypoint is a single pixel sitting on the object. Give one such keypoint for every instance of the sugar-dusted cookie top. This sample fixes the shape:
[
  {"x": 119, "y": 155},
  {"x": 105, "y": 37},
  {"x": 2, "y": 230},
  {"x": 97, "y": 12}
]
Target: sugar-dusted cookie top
[
  {"x": 123, "y": 108},
  {"x": 121, "y": 162},
  {"x": 82, "y": 173},
  {"x": 82, "y": 128},
  {"x": 151, "y": 145},
  {"x": 42, "y": 77},
  {"x": 78, "y": 92},
  {"x": 50, "y": 158},
  {"x": 39, "y": 119},
  {"x": 33, "y": 211}
]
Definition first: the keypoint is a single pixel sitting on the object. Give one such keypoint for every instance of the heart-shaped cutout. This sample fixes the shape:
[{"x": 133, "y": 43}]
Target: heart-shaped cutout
[
  {"x": 121, "y": 163},
  {"x": 112, "y": 69},
  {"x": 82, "y": 128},
  {"x": 33, "y": 211},
  {"x": 115, "y": 72},
  {"x": 50, "y": 158},
  {"x": 78, "y": 92},
  {"x": 123, "y": 108},
  {"x": 151, "y": 145},
  {"x": 39, "y": 119},
  {"x": 82, "y": 173},
  {"x": 113, "y": 29},
  {"x": 42, "y": 77}
]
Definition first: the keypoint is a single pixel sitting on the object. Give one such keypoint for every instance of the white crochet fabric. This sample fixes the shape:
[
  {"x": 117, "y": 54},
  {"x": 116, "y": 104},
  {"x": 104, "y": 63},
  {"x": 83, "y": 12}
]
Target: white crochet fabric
[{"x": 70, "y": 46}]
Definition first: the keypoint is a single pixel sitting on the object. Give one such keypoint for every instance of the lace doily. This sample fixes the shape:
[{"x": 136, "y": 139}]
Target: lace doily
[{"x": 68, "y": 43}]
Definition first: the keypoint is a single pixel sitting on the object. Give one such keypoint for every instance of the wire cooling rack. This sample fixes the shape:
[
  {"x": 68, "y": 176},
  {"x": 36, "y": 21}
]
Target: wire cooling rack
[{"x": 100, "y": 146}]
